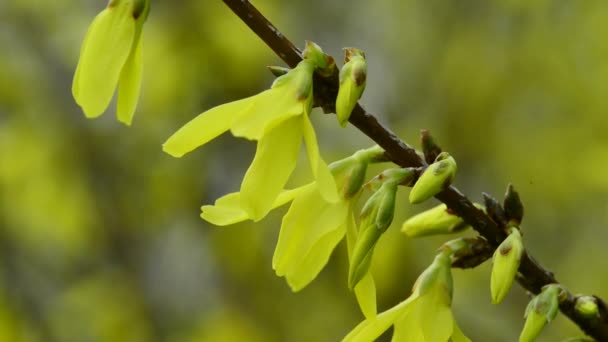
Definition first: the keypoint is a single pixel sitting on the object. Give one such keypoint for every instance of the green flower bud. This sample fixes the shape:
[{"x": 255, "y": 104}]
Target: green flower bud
[
  {"x": 438, "y": 220},
  {"x": 352, "y": 84},
  {"x": 514, "y": 209},
  {"x": 506, "y": 262},
  {"x": 476, "y": 251},
  {"x": 376, "y": 216},
  {"x": 434, "y": 179},
  {"x": 586, "y": 306},
  {"x": 323, "y": 63},
  {"x": 541, "y": 310}
]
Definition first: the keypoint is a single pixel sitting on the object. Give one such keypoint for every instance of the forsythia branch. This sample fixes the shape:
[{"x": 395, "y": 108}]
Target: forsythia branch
[{"x": 532, "y": 276}]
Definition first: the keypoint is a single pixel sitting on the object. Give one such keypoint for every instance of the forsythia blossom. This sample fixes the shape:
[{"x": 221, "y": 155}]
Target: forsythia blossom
[
  {"x": 313, "y": 226},
  {"x": 278, "y": 119},
  {"x": 424, "y": 317},
  {"x": 111, "y": 54}
]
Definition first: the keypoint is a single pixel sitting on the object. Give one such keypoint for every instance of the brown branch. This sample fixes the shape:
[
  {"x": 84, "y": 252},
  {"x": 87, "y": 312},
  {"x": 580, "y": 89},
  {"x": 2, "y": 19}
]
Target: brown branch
[{"x": 532, "y": 276}]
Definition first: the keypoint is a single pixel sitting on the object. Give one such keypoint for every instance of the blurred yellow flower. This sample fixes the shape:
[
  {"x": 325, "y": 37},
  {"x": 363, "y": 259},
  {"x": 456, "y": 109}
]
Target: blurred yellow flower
[{"x": 111, "y": 54}]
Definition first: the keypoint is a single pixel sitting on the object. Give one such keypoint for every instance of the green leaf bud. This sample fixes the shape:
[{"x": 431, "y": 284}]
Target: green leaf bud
[
  {"x": 352, "y": 84},
  {"x": 541, "y": 310},
  {"x": 437, "y": 177},
  {"x": 514, "y": 209},
  {"x": 494, "y": 209},
  {"x": 505, "y": 264},
  {"x": 430, "y": 149}
]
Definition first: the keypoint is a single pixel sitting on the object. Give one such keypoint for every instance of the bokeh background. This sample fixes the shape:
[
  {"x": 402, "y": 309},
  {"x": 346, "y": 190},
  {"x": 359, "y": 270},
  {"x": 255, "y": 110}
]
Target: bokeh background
[{"x": 100, "y": 235}]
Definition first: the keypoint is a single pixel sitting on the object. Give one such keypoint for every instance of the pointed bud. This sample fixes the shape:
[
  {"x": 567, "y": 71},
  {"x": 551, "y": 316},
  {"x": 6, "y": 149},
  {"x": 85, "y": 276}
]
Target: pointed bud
[
  {"x": 506, "y": 262},
  {"x": 586, "y": 306},
  {"x": 494, "y": 209},
  {"x": 514, "y": 209},
  {"x": 376, "y": 216},
  {"x": 430, "y": 149},
  {"x": 438, "y": 220},
  {"x": 541, "y": 310},
  {"x": 278, "y": 71},
  {"x": 437, "y": 177},
  {"x": 323, "y": 63},
  {"x": 352, "y": 84}
]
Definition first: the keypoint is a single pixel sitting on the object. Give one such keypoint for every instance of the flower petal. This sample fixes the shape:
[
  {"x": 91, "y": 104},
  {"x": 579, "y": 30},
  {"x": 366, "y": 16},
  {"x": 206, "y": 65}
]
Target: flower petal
[
  {"x": 274, "y": 161},
  {"x": 268, "y": 106},
  {"x": 457, "y": 335},
  {"x": 315, "y": 260},
  {"x": 435, "y": 317},
  {"x": 227, "y": 209},
  {"x": 104, "y": 52},
  {"x": 129, "y": 85},
  {"x": 205, "y": 127},
  {"x": 370, "y": 329},
  {"x": 309, "y": 220},
  {"x": 327, "y": 184}
]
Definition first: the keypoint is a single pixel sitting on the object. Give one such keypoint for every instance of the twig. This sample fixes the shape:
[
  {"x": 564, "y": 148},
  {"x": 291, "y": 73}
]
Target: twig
[{"x": 532, "y": 276}]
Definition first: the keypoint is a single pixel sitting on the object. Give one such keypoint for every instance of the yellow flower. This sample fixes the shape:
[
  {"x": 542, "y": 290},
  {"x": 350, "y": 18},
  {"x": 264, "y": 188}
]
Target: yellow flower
[
  {"x": 312, "y": 227},
  {"x": 425, "y": 316},
  {"x": 111, "y": 54},
  {"x": 278, "y": 119}
]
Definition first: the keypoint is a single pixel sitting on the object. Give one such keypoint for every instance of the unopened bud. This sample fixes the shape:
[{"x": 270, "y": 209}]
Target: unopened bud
[
  {"x": 324, "y": 64},
  {"x": 352, "y": 84},
  {"x": 541, "y": 310},
  {"x": 438, "y": 220},
  {"x": 586, "y": 306},
  {"x": 437, "y": 177},
  {"x": 506, "y": 262},
  {"x": 376, "y": 217}
]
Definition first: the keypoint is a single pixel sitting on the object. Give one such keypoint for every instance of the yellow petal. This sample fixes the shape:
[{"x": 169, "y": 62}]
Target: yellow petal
[
  {"x": 104, "y": 52},
  {"x": 129, "y": 85},
  {"x": 323, "y": 176},
  {"x": 370, "y": 329},
  {"x": 274, "y": 161},
  {"x": 205, "y": 127},
  {"x": 315, "y": 260},
  {"x": 304, "y": 234},
  {"x": 457, "y": 335},
  {"x": 435, "y": 316},
  {"x": 227, "y": 209},
  {"x": 268, "y": 106}
]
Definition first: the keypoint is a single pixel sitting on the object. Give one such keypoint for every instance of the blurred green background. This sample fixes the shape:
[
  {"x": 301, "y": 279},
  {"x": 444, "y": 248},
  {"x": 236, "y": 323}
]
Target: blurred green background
[{"x": 100, "y": 236}]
